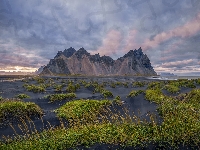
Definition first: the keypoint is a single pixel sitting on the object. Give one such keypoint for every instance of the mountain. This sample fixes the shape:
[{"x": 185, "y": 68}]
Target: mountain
[
  {"x": 167, "y": 74},
  {"x": 70, "y": 61},
  {"x": 39, "y": 70}
]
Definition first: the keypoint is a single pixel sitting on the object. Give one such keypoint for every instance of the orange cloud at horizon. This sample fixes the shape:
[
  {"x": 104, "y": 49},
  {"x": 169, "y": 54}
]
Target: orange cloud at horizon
[{"x": 18, "y": 68}]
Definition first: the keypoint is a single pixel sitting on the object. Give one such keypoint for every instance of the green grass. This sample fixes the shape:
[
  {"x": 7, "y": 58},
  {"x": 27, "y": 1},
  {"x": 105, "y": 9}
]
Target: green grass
[
  {"x": 59, "y": 97},
  {"x": 118, "y": 83},
  {"x": 125, "y": 134},
  {"x": 138, "y": 84},
  {"x": 181, "y": 118},
  {"x": 154, "y": 95},
  {"x": 22, "y": 96},
  {"x": 1, "y": 98},
  {"x": 177, "y": 127},
  {"x": 80, "y": 109},
  {"x": 17, "y": 108},
  {"x": 72, "y": 88},
  {"x": 35, "y": 88},
  {"x": 39, "y": 80},
  {"x": 155, "y": 85},
  {"x": 134, "y": 93},
  {"x": 107, "y": 93},
  {"x": 113, "y": 85},
  {"x": 181, "y": 123},
  {"x": 58, "y": 88},
  {"x": 172, "y": 88},
  {"x": 117, "y": 100},
  {"x": 25, "y": 80},
  {"x": 125, "y": 84}
]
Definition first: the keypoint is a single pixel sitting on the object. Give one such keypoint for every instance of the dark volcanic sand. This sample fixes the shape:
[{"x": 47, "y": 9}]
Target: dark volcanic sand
[{"x": 138, "y": 103}]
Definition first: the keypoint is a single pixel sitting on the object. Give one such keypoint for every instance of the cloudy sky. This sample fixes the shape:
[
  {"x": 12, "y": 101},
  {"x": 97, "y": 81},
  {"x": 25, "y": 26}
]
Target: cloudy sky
[{"x": 168, "y": 31}]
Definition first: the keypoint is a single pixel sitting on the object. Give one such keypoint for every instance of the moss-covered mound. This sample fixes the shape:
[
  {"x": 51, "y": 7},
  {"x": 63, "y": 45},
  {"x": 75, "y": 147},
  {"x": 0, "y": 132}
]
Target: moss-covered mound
[
  {"x": 17, "y": 108},
  {"x": 83, "y": 110}
]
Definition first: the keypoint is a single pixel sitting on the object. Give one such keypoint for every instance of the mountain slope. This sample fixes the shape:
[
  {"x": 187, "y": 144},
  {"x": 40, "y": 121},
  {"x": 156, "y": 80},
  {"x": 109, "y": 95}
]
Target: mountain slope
[{"x": 71, "y": 61}]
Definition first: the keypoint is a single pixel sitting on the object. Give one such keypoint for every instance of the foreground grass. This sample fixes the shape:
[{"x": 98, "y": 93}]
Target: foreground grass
[
  {"x": 181, "y": 118},
  {"x": 82, "y": 110},
  {"x": 17, "y": 108},
  {"x": 62, "y": 138},
  {"x": 181, "y": 124},
  {"x": 125, "y": 134}
]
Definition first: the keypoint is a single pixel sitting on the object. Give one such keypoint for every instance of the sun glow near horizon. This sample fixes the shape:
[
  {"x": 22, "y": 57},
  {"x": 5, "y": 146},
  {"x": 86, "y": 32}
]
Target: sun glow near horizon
[{"x": 18, "y": 69}]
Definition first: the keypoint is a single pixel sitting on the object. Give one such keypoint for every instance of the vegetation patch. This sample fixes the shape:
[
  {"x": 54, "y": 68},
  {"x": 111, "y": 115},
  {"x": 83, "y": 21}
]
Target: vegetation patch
[
  {"x": 155, "y": 85},
  {"x": 181, "y": 118},
  {"x": 154, "y": 95},
  {"x": 113, "y": 85},
  {"x": 1, "y": 98},
  {"x": 72, "y": 88},
  {"x": 172, "y": 88},
  {"x": 107, "y": 93},
  {"x": 17, "y": 108},
  {"x": 180, "y": 114},
  {"x": 138, "y": 84},
  {"x": 61, "y": 138},
  {"x": 58, "y": 88},
  {"x": 125, "y": 84},
  {"x": 35, "y": 88},
  {"x": 59, "y": 97},
  {"x": 82, "y": 110},
  {"x": 22, "y": 96},
  {"x": 134, "y": 93},
  {"x": 117, "y": 100},
  {"x": 39, "y": 80}
]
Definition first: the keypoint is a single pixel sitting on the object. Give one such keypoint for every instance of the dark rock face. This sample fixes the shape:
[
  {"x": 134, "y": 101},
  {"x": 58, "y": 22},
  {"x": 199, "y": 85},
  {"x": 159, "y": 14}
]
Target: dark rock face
[
  {"x": 107, "y": 60},
  {"x": 39, "y": 70},
  {"x": 69, "y": 52},
  {"x": 71, "y": 61},
  {"x": 58, "y": 65},
  {"x": 81, "y": 52},
  {"x": 95, "y": 58}
]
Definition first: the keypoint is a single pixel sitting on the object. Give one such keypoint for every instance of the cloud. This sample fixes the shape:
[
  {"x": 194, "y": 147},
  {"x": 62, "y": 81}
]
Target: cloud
[
  {"x": 110, "y": 43},
  {"x": 33, "y": 31},
  {"x": 189, "y": 29},
  {"x": 130, "y": 41},
  {"x": 179, "y": 64}
]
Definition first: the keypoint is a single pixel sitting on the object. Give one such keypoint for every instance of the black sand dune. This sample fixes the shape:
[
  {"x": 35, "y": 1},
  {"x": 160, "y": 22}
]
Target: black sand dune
[{"x": 138, "y": 105}]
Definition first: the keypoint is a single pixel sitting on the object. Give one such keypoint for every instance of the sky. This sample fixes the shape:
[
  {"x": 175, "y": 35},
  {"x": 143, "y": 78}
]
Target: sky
[{"x": 168, "y": 31}]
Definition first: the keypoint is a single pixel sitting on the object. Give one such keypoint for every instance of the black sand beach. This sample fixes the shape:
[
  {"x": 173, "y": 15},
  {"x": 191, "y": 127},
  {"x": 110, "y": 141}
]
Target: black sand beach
[{"x": 138, "y": 105}]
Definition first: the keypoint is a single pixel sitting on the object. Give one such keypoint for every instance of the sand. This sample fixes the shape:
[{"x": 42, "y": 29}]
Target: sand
[{"x": 9, "y": 89}]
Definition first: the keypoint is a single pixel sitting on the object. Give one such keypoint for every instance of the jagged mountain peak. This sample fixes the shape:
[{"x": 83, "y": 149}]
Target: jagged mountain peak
[
  {"x": 69, "y": 52},
  {"x": 79, "y": 53},
  {"x": 134, "y": 62},
  {"x": 134, "y": 53},
  {"x": 59, "y": 53}
]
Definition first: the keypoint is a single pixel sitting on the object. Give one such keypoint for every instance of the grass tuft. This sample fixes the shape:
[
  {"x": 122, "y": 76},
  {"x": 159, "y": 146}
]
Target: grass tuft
[{"x": 59, "y": 97}]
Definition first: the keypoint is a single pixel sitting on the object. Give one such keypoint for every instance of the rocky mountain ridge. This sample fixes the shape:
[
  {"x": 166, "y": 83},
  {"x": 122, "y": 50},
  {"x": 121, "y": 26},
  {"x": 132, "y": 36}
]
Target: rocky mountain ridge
[{"x": 71, "y": 61}]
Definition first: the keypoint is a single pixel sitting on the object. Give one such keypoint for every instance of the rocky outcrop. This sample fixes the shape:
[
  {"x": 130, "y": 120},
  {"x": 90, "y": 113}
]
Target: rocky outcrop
[
  {"x": 39, "y": 70},
  {"x": 71, "y": 61}
]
